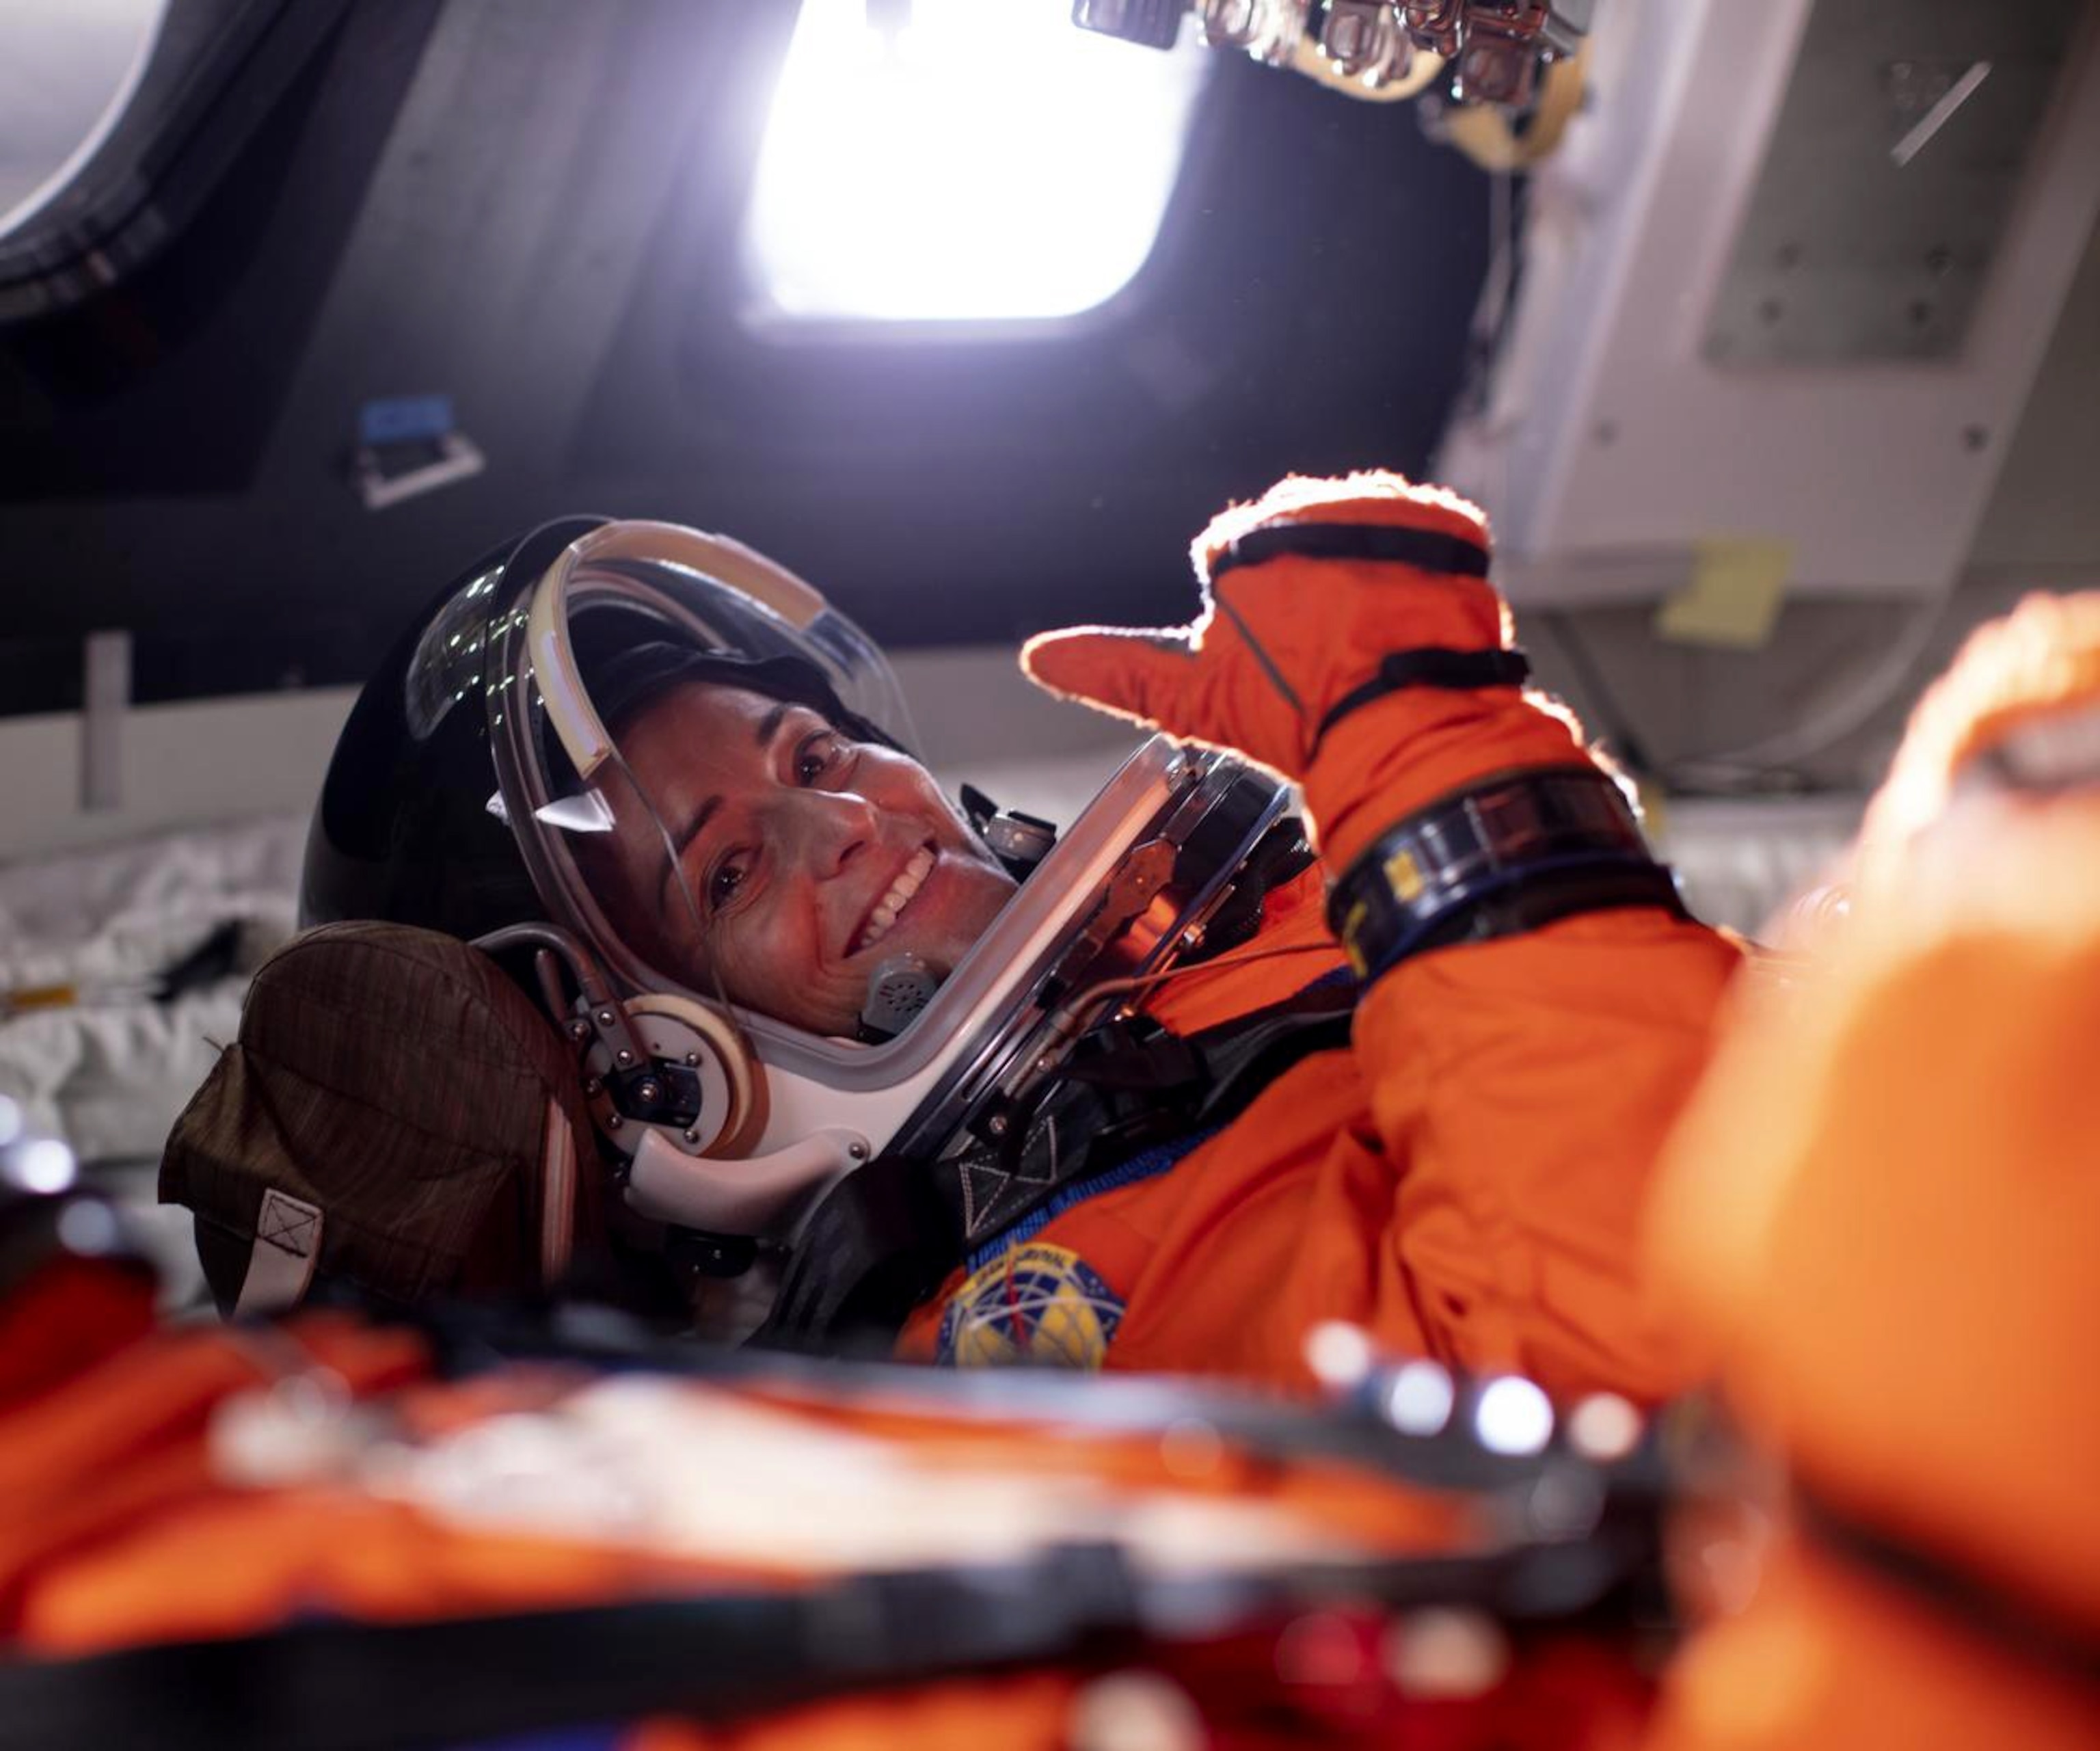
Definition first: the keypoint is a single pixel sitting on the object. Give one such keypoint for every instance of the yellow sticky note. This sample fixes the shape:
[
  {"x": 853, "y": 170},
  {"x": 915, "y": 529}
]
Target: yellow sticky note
[{"x": 1733, "y": 597}]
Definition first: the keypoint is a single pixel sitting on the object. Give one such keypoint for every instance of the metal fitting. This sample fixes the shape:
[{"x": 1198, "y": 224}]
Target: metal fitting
[
  {"x": 1230, "y": 23},
  {"x": 1437, "y": 25},
  {"x": 1498, "y": 63},
  {"x": 1496, "y": 69},
  {"x": 1353, "y": 34},
  {"x": 1268, "y": 30}
]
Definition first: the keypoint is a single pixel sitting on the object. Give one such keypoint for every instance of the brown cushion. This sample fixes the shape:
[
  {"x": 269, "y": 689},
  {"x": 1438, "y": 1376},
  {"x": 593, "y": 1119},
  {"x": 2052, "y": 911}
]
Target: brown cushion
[{"x": 400, "y": 1080}]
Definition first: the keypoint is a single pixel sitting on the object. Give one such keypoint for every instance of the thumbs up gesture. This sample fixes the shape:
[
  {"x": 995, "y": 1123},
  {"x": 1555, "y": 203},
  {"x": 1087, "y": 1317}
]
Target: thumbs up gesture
[{"x": 1319, "y": 601}]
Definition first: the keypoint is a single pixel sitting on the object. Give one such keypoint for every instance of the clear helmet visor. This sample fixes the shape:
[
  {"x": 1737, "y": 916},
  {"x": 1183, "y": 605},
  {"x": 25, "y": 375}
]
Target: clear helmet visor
[{"x": 673, "y": 715}]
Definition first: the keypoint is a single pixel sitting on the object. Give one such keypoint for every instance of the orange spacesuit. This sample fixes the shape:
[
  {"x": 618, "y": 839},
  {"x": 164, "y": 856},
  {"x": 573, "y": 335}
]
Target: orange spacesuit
[
  {"x": 299, "y": 1534},
  {"x": 1879, "y": 1218},
  {"x": 1465, "y": 1181}
]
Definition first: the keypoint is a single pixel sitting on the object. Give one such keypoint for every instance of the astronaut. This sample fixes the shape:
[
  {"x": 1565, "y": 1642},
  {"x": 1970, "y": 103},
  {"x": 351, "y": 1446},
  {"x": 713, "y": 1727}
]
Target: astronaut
[{"x": 1169, "y": 1093}]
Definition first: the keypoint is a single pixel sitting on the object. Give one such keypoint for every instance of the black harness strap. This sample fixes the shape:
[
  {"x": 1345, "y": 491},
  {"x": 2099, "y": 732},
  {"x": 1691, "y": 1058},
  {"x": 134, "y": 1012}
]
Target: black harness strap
[
  {"x": 338, "y": 1686},
  {"x": 1431, "y": 666},
  {"x": 1425, "y": 550}
]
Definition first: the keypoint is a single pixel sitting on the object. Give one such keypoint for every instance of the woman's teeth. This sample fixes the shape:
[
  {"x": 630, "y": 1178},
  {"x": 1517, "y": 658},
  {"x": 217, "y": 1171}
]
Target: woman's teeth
[{"x": 907, "y": 884}]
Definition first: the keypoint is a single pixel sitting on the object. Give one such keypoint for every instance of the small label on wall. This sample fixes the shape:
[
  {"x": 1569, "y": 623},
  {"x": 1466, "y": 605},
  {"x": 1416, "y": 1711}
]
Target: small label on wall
[{"x": 1734, "y": 597}]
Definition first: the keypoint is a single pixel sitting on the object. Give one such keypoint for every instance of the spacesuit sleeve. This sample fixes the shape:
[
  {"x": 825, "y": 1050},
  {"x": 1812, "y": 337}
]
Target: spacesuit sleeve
[{"x": 1521, "y": 1086}]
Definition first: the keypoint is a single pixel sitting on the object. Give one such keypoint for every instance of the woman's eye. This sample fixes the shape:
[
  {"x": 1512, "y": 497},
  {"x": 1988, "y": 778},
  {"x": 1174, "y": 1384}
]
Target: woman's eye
[
  {"x": 723, "y": 885},
  {"x": 817, "y": 756}
]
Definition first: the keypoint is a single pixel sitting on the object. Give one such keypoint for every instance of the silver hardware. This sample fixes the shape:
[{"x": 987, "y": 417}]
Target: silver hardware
[
  {"x": 1350, "y": 33},
  {"x": 1230, "y": 23},
  {"x": 1268, "y": 30},
  {"x": 1437, "y": 25}
]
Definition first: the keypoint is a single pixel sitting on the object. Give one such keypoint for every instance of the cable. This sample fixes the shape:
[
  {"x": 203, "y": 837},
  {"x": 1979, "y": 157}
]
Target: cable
[
  {"x": 1239, "y": 957},
  {"x": 1063, "y": 1022}
]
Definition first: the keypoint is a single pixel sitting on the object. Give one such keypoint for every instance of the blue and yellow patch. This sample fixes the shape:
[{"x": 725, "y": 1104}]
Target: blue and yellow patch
[{"x": 1034, "y": 1304}]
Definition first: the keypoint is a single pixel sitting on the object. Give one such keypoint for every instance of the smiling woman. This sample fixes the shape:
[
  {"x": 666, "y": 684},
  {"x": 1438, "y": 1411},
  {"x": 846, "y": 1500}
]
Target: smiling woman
[{"x": 761, "y": 849}]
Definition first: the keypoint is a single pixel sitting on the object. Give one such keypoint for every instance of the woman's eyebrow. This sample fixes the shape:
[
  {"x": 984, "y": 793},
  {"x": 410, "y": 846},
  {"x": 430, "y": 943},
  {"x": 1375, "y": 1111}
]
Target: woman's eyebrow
[
  {"x": 684, "y": 837},
  {"x": 769, "y": 726}
]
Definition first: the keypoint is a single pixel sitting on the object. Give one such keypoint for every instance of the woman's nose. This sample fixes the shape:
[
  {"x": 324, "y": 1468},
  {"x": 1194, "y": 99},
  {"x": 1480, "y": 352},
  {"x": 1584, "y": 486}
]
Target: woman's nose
[{"x": 830, "y": 828}]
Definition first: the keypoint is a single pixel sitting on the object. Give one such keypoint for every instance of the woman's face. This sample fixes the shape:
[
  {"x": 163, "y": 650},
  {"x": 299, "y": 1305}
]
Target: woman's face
[{"x": 809, "y": 858}]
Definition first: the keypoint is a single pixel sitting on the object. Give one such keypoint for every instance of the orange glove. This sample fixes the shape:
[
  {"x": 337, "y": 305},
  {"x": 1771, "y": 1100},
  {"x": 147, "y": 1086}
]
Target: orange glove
[{"x": 1307, "y": 592}]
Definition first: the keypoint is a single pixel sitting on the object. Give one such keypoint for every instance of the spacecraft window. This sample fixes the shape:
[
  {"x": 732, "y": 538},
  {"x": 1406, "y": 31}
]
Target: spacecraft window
[{"x": 972, "y": 164}]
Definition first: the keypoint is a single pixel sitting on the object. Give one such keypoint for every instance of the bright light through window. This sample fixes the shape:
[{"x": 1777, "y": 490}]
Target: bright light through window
[{"x": 988, "y": 162}]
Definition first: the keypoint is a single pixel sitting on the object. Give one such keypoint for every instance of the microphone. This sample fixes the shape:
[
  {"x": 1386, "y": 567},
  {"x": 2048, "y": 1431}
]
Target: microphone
[{"x": 895, "y": 993}]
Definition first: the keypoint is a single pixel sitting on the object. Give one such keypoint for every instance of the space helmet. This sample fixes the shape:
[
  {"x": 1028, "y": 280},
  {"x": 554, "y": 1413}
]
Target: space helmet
[{"x": 476, "y": 774}]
